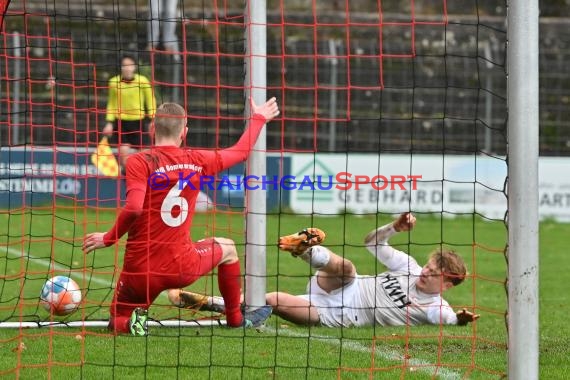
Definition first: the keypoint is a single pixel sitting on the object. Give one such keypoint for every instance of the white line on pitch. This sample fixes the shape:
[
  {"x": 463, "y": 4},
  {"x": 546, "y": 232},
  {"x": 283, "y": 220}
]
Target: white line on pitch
[
  {"x": 419, "y": 364},
  {"x": 54, "y": 266}
]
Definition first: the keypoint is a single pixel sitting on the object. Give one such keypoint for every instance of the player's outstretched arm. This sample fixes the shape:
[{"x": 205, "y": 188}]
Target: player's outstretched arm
[
  {"x": 377, "y": 243},
  {"x": 269, "y": 110},
  {"x": 240, "y": 151},
  {"x": 93, "y": 241},
  {"x": 405, "y": 222},
  {"x": 379, "y": 236},
  {"x": 464, "y": 317},
  {"x": 131, "y": 211}
]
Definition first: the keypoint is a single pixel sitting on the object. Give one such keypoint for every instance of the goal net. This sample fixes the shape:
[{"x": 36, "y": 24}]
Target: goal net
[{"x": 386, "y": 107}]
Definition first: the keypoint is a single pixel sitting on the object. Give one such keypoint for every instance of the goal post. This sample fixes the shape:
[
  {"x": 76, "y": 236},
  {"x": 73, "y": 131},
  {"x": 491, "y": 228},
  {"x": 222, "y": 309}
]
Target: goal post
[
  {"x": 256, "y": 200},
  {"x": 362, "y": 85},
  {"x": 523, "y": 121}
]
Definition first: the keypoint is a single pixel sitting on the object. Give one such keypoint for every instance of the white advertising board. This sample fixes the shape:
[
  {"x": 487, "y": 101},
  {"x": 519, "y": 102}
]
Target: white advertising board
[{"x": 453, "y": 185}]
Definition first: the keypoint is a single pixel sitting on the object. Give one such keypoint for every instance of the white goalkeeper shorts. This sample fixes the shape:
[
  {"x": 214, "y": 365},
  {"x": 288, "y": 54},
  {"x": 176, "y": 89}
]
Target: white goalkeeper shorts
[{"x": 336, "y": 308}]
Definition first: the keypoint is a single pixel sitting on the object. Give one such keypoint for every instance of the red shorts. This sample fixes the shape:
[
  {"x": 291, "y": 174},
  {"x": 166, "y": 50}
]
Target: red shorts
[{"x": 135, "y": 289}]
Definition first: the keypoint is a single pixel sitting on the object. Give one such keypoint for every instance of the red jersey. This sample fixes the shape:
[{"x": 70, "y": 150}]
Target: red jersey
[
  {"x": 163, "y": 184},
  {"x": 170, "y": 177}
]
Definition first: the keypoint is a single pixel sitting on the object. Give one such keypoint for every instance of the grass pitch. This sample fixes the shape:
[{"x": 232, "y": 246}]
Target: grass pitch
[{"x": 37, "y": 244}]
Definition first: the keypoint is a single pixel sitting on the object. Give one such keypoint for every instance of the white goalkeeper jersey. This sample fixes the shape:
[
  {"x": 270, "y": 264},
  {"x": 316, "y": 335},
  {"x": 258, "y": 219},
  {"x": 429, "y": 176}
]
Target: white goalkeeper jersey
[{"x": 391, "y": 298}]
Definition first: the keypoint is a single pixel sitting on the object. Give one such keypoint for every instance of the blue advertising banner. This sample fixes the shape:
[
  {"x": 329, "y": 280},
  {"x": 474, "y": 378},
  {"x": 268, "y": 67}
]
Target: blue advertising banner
[{"x": 38, "y": 176}]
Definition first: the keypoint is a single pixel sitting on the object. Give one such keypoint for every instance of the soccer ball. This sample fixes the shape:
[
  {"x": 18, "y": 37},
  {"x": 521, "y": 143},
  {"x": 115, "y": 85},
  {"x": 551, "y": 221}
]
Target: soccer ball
[{"x": 60, "y": 295}]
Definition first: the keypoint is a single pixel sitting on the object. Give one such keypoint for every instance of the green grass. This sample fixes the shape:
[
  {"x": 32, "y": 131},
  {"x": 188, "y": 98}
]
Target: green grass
[{"x": 280, "y": 350}]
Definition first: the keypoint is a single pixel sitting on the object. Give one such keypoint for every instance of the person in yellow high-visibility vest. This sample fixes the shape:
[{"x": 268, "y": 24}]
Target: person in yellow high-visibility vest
[{"x": 131, "y": 101}]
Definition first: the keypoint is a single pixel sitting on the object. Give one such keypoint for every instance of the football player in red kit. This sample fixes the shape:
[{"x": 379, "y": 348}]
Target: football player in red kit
[{"x": 163, "y": 184}]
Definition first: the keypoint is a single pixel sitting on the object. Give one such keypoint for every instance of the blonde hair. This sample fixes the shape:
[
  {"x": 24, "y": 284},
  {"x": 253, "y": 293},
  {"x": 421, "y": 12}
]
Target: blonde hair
[
  {"x": 451, "y": 265},
  {"x": 169, "y": 120}
]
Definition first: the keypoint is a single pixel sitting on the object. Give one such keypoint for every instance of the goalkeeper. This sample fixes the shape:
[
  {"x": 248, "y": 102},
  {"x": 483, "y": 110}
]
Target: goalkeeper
[
  {"x": 158, "y": 216},
  {"x": 337, "y": 296}
]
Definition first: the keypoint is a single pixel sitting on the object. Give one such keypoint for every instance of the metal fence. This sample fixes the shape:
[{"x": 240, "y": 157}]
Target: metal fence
[{"x": 337, "y": 94}]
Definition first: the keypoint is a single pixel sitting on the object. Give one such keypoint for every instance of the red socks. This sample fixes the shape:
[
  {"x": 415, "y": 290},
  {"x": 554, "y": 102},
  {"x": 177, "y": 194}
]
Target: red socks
[
  {"x": 229, "y": 283},
  {"x": 119, "y": 325}
]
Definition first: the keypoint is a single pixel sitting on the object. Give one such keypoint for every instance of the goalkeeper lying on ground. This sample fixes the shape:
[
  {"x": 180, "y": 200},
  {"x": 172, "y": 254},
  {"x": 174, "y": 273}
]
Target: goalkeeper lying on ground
[{"x": 337, "y": 296}]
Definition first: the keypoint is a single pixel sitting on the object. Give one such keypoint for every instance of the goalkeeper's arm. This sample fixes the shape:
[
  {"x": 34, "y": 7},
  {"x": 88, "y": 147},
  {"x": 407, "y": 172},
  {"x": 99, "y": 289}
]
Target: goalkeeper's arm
[
  {"x": 444, "y": 314},
  {"x": 464, "y": 317},
  {"x": 377, "y": 243}
]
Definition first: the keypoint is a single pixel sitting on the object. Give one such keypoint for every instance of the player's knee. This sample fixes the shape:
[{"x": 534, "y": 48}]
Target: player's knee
[
  {"x": 229, "y": 250},
  {"x": 174, "y": 296},
  {"x": 276, "y": 299},
  {"x": 271, "y": 298},
  {"x": 348, "y": 270}
]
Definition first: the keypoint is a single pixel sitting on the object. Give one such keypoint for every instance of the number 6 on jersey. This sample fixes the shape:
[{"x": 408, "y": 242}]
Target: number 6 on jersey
[{"x": 172, "y": 200}]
